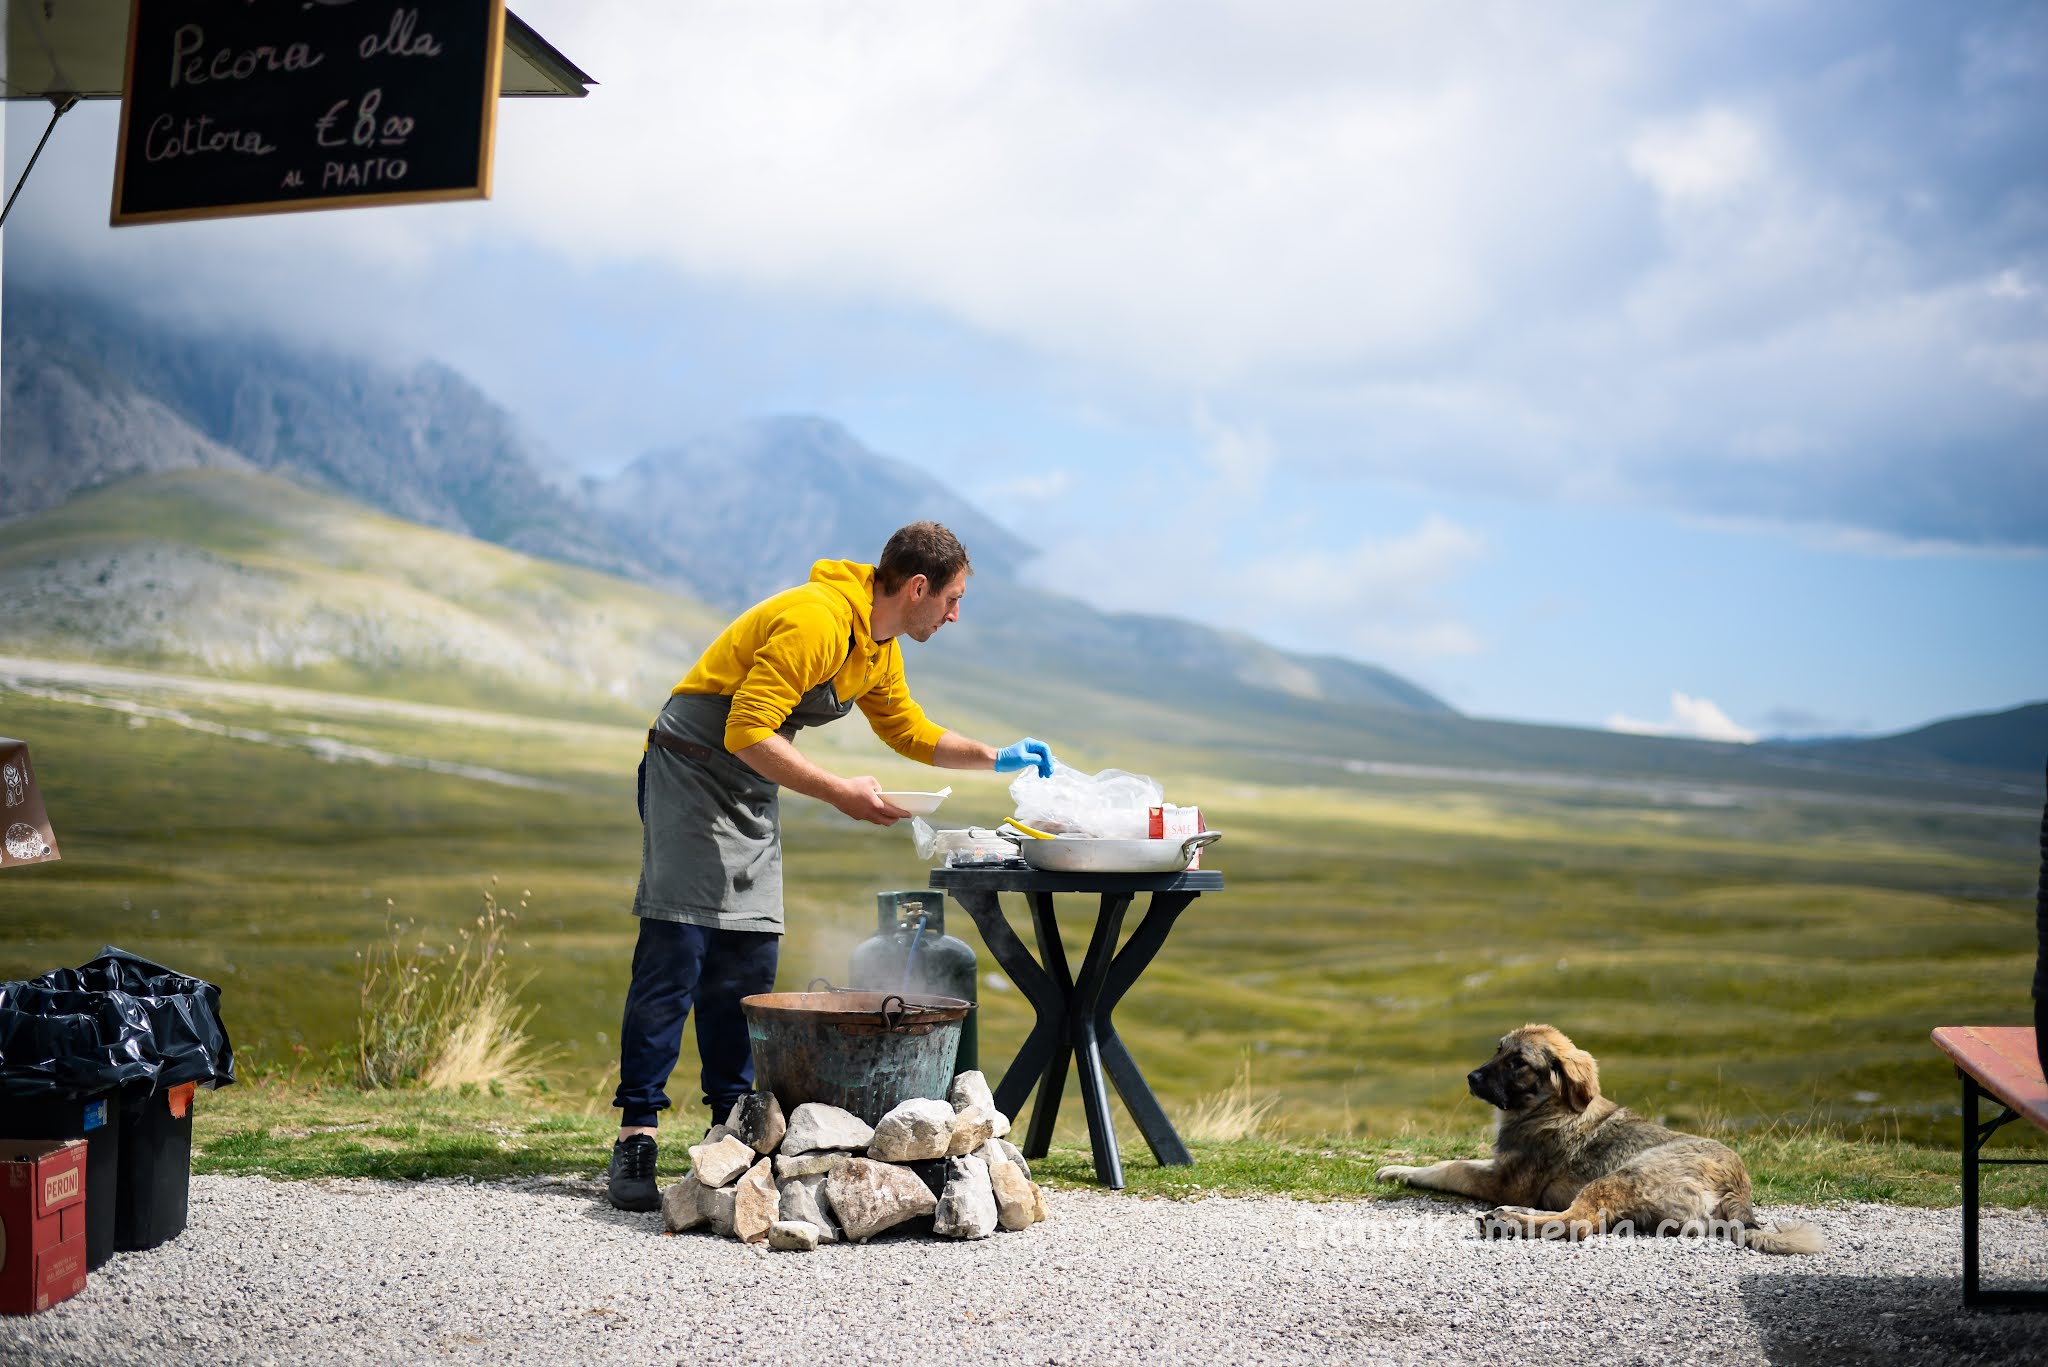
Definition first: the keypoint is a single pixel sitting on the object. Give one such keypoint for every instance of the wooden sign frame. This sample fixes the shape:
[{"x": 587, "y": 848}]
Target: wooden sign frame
[{"x": 486, "y": 148}]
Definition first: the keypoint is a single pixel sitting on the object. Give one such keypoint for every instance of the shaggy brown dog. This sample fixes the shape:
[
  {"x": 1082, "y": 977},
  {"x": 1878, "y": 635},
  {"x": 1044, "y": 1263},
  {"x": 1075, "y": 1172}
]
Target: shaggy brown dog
[{"x": 1567, "y": 1162}]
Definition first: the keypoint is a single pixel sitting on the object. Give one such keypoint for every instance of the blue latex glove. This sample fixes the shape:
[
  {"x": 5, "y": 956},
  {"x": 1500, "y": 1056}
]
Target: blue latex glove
[{"x": 1025, "y": 754}]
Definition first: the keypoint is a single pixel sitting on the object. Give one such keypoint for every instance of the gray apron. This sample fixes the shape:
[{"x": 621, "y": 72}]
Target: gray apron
[{"x": 711, "y": 844}]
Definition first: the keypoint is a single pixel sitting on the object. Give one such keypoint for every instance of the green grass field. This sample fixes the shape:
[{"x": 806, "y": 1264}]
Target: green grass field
[
  {"x": 274, "y": 1128},
  {"x": 1767, "y": 969}
]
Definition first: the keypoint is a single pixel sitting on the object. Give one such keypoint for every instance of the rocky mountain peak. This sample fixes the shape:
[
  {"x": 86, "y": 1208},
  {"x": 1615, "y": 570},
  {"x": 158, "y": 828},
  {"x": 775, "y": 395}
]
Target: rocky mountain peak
[
  {"x": 742, "y": 512},
  {"x": 98, "y": 392}
]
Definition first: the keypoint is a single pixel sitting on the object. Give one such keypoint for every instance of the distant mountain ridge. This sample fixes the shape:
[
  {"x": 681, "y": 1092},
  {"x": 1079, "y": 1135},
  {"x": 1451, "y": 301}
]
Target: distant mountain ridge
[
  {"x": 246, "y": 576},
  {"x": 2011, "y": 740},
  {"x": 421, "y": 443},
  {"x": 831, "y": 498},
  {"x": 98, "y": 393},
  {"x": 58, "y": 400}
]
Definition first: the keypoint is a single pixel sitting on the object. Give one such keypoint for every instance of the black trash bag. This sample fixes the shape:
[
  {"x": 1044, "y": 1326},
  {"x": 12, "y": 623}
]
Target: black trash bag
[
  {"x": 189, "y": 1038},
  {"x": 62, "y": 1045}
]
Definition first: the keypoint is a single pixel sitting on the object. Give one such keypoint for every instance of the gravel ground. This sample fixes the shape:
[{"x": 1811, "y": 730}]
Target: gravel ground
[{"x": 349, "y": 1271}]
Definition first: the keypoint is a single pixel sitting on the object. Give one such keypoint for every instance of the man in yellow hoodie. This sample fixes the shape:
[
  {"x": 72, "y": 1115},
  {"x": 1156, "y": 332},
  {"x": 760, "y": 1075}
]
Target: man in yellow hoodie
[{"x": 710, "y": 895}]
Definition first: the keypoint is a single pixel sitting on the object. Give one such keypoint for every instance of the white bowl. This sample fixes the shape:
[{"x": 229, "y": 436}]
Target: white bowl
[{"x": 918, "y": 804}]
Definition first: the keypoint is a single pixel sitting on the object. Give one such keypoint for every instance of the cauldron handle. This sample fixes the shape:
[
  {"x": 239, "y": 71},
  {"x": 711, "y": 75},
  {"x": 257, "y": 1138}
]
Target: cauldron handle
[
  {"x": 893, "y": 1020},
  {"x": 812, "y": 985}
]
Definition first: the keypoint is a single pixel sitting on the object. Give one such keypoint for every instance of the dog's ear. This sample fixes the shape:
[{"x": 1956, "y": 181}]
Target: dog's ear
[{"x": 1581, "y": 1078}]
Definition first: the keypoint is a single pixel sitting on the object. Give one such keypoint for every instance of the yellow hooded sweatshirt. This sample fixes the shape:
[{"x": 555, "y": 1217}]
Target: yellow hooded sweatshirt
[{"x": 783, "y": 647}]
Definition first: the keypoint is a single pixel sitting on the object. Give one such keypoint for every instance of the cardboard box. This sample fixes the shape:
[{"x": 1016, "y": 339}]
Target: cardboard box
[
  {"x": 42, "y": 1223},
  {"x": 25, "y": 834},
  {"x": 1176, "y": 823}
]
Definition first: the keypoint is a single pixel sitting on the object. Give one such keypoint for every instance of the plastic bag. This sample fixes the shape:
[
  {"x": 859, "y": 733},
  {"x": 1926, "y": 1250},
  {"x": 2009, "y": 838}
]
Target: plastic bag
[
  {"x": 67, "y": 1045},
  {"x": 1112, "y": 804},
  {"x": 98, "y": 1022},
  {"x": 924, "y": 837},
  {"x": 188, "y": 1036}
]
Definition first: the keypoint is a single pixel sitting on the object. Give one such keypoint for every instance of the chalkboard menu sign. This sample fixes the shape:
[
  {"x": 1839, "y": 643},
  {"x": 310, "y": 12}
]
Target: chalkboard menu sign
[{"x": 263, "y": 106}]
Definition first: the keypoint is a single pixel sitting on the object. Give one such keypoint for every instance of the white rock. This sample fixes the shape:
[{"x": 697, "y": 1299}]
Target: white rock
[
  {"x": 803, "y": 1198},
  {"x": 972, "y": 1128},
  {"x": 793, "y": 1236},
  {"x": 815, "y": 1126},
  {"x": 817, "y": 1164},
  {"x": 916, "y": 1129},
  {"x": 868, "y": 1197},
  {"x": 971, "y": 1089},
  {"x": 720, "y": 1205},
  {"x": 1014, "y": 1154},
  {"x": 757, "y": 1204},
  {"x": 716, "y": 1133},
  {"x": 682, "y": 1205},
  {"x": 1002, "y": 1151},
  {"x": 967, "y": 1207},
  {"x": 1020, "y": 1203},
  {"x": 757, "y": 1119},
  {"x": 719, "y": 1163}
]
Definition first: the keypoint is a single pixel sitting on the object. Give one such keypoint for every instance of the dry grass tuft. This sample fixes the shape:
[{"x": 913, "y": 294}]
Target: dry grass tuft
[
  {"x": 446, "y": 1018},
  {"x": 1232, "y": 1114}
]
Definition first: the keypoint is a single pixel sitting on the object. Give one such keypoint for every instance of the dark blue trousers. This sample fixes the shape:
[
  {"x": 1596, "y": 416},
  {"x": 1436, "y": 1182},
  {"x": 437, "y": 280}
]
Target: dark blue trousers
[{"x": 676, "y": 966}]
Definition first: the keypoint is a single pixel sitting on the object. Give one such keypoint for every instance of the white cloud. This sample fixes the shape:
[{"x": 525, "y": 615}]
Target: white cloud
[
  {"x": 1241, "y": 458},
  {"x": 1577, "y": 251},
  {"x": 1694, "y": 718},
  {"x": 1188, "y": 199},
  {"x": 1194, "y": 198},
  {"x": 2011, "y": 283},
  {"x": 1701, "y": 158},
  {"x": 1397, "y": 573},
  {"x": 1388, "y": 600}
]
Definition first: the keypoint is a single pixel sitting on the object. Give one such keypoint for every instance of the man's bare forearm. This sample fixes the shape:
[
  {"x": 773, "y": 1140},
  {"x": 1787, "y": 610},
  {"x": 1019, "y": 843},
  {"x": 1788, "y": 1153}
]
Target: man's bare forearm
[
  {"x": 781, "y": 763},
  {"x": 956, "y": 751}
]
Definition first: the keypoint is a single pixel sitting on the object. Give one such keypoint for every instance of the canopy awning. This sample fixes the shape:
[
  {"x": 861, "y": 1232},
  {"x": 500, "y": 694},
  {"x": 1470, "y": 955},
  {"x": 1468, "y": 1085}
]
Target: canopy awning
[{"x": 79, "y": 47}]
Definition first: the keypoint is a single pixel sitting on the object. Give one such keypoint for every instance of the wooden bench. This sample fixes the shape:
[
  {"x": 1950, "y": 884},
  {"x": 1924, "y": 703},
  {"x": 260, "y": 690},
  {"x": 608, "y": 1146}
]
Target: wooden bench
[{"x": 1999, "y": 1061}]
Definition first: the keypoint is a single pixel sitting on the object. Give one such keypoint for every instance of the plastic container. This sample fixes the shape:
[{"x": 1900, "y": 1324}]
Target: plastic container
[
  {"x": 156, "y": 1167},
  {"x": 111, "y": 1052},
  {"x": 973, "y": 847}
]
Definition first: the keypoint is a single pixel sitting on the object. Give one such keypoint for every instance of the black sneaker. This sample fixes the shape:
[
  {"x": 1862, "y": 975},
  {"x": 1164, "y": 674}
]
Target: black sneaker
[{"x": 630, "y": 1184}]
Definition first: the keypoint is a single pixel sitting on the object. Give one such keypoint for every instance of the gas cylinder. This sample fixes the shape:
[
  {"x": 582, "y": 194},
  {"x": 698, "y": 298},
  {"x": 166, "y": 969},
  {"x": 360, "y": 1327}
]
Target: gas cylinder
[{"x": 911, "y": 952}]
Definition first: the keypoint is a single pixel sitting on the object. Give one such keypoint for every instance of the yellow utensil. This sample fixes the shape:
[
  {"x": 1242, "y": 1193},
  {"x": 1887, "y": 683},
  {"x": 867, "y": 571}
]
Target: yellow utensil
[{"x": 1033, "y": 833}]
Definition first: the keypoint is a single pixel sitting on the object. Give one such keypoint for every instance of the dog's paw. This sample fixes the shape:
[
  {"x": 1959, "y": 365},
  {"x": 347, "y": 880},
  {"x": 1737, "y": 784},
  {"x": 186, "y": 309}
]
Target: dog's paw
[
  {"x": 1394, "y": 1173},
  {"x": 1494, "y": 1224}
]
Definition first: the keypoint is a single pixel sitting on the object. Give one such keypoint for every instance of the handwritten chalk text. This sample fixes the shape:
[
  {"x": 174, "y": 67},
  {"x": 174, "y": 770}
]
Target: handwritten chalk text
[
  {"x": 167, "y": 138},
  {"x": 189, "y": 68},
  {"x": 400, "y": 40},
  {"x": 358, "y": 175}
]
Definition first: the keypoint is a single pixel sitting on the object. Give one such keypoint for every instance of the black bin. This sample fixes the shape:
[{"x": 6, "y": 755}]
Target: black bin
[
  {"x": 139, "y": 1038},
  {"x": 96, "y": 1120},
  {"x": 156, "y": 1167}
]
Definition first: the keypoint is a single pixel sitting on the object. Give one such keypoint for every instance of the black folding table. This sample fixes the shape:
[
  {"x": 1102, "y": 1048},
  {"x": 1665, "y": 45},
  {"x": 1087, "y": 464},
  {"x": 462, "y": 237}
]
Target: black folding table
[{"x": 1074, "y": 1011}]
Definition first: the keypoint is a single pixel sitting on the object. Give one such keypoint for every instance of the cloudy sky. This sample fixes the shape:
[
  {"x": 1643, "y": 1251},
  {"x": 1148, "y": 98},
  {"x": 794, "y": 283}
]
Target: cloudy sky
[{"x": 1673, "y": 366}]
